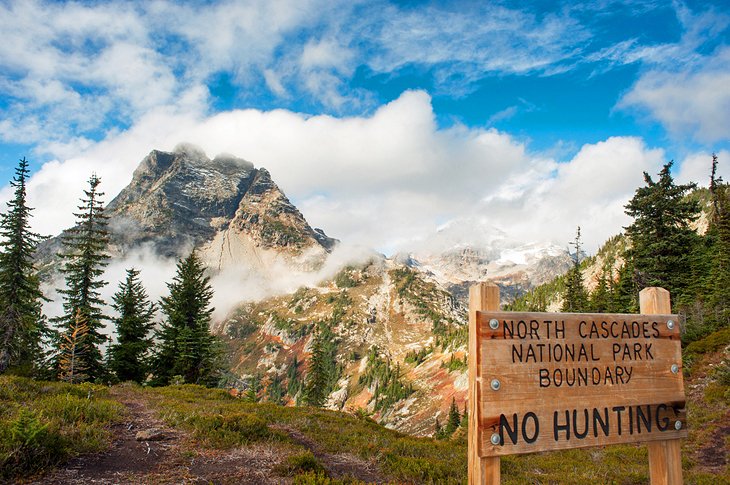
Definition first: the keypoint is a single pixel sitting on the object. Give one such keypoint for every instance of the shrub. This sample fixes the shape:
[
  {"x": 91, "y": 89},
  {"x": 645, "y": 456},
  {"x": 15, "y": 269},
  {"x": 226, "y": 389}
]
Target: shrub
[
  {"x": 298, "y": 463},
  {"x": 28, "y": 446}
]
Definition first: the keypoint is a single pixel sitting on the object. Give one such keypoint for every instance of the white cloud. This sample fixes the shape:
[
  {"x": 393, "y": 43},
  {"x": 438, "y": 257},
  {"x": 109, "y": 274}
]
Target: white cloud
[
  {"x": 692, "y": 100},
  {"x": 698, "y": 166},
  {"x": 385, "y": 181}
]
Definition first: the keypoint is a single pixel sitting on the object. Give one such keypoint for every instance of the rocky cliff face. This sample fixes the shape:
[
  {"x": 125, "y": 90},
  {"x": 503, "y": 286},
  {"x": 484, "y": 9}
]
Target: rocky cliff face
[
  {"x": 183, "y": 199},
  {"x": 232, "y": 212}
]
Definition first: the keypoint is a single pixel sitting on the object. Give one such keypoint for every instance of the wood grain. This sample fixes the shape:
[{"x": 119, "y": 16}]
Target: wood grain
[
  {"x": 483, "y": 296},
  {"x": 665, "y": 460},
  {"x": 611, "y": 374}
]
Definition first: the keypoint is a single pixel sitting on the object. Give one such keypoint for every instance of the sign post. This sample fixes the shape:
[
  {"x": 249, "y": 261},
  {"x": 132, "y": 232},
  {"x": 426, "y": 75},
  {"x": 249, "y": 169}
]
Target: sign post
[
  {"x": 665, "y": 462},
  {"x": 482, "y": 470},
  {"x": 551, "y": 381}
]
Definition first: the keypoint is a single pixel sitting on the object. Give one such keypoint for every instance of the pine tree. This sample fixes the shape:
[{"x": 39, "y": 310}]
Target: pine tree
[
  {"x": 575, "y": 297},
  {"x": 186, "y": 347},
  {"x": 317, "y": 386},
  {"x": 275, "y": 390},
  {"x": 625, "y": 292},
  {"x": 294, "y": 383},
  {"x": 128, "y": 357},
  {"x": 22, "y": 323},
  {"x": 719, "y": 275},
  {"x": 600, "y": 299},
  {"x": 454, "y": 419},
  {"x": 74, "y": 346},
  {"x": 84, "y": 253},
  {"x": 252, "y": 393},
  {"x": 438, "y": 430},
  {"x": 661, "y": 237},
  {"x": 465, "y": 417}
]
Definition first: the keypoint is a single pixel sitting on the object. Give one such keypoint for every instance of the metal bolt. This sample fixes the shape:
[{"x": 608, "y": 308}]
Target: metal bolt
[
  {"x": 493, "y": 324},
  {"x": 496, "y": 440},
  {"x": 670, "y": 324},
  {"x": 675, "y": 368},
  {"x": 678, "y": 425},
  {"x": 495, "y": 384}
]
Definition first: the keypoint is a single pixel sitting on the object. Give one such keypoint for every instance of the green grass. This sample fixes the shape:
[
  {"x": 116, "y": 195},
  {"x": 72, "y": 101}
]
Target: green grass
[
  {"x": 42, "y": 424},
  {"x": 45, "y": 423},
  {"x": 406, "y": 458}
]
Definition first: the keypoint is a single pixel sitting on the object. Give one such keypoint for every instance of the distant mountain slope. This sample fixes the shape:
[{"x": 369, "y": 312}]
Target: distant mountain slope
[{"x": 386, "y": 318}]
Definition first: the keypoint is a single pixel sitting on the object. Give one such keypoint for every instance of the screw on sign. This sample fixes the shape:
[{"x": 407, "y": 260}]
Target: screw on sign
[{"x": 563, "y": 380}]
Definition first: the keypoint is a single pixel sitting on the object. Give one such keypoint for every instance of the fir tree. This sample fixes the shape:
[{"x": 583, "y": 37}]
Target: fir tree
[
  {"x": 294, "y": 383},
  {"x": 22, "y": 323},
  {"x": 625, "y": 292},
  {"x": 719, "y": 275},
  {"x": 128, "y": 358},
  {"x": 438, "y": 430},
  {"x": 661, "y": 237},
  {"x": 454, "y": 419},
  {"x": 275, "y": 390},
  {"x": 84, "y": 253},
  {"x": 600, "y": 299},
  {"x": 186, "y": 347},
  {"x": 575, "y": 297},
  {"x": 465, "y": 417},
  {"x": 321, "y": 367},
  {"x": 73, "y": 348},
  {"x": 252, "y": 393}
]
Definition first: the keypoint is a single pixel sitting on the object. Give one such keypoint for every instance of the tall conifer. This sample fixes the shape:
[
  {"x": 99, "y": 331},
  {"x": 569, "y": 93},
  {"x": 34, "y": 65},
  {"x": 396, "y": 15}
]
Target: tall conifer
[
  {"x": 128, "y": 357},
  {"x": 719, "y": 276},
  {"x": 186, "y": 348},
  {"x": 662, "y": 240},
  {"x": 22, "y": 323},
  {"x": 84, "y": 254},
  {"x": 575, "y": 298}
]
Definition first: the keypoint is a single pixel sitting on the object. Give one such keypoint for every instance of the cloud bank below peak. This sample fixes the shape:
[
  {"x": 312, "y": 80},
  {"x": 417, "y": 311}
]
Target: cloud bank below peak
[{"x": 388, "y": 180}]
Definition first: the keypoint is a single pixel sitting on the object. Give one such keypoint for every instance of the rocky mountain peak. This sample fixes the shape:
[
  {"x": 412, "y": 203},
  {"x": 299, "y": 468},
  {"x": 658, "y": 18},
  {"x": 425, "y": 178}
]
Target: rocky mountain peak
[{"x": 182, "y": 199}]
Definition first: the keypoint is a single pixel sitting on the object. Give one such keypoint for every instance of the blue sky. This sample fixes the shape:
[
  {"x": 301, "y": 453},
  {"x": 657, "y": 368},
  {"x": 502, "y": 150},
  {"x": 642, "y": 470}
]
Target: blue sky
[{"x": 495, "y": 103}]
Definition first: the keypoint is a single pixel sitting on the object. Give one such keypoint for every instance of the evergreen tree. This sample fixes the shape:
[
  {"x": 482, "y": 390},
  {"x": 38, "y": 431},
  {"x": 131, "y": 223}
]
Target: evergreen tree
[
  {"x": 321, "y": 367},
  {"x": 719, "y": 275},
  {"x": 84, "y": 253},
  {"x": 575, "y": 298},
  {"x": 625, "y": 292},
  {"x": 128, "y": 357},
  {"x": 186, "y": 347},
  {"x": 465, "y": 417},
  {"x": 73, "y": 348},
  {"x": 600, "y": 300},
  {"x": 661, "y": 237},
  {"x": 254, "y": 386},
  {"x": 275, "y": 390},
  {"x": 438, "y": 430},
  {"x": 454, "y": 419},
  {"x": 294, "y": 384},
  {"x": 22, "y": 323}
]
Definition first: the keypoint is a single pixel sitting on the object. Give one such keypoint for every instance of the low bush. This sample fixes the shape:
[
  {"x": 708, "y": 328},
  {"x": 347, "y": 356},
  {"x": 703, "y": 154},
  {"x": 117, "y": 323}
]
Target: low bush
[{"x": 44, "y": 423}]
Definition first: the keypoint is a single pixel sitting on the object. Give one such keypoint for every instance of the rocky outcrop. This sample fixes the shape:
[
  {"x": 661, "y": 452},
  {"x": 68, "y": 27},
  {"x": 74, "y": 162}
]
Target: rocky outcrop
[{"x": 230, "y": 210}]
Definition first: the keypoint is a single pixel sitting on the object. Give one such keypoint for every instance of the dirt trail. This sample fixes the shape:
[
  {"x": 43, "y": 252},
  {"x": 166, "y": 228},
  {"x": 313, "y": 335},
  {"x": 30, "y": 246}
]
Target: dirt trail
[
  {"x": 339, "y": 465},
  {"x": 178, "y": 459},
  {"x": 128, "y": 460}
]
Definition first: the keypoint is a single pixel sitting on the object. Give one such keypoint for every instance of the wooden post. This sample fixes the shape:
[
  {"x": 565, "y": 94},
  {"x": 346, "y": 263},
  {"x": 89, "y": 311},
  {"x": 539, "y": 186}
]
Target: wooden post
[
  {"x": 665, "y": 461},
  {"x": 482, "y": 297}
]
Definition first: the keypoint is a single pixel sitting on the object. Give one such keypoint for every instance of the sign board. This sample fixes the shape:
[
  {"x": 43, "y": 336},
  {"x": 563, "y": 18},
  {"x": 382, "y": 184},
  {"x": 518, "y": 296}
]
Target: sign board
[{"x": 551, "y": 381}]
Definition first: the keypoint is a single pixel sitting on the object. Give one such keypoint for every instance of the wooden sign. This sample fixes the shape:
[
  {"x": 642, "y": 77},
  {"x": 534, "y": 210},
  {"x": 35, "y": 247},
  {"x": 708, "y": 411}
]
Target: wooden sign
[{"x": 550, "y": 381}]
